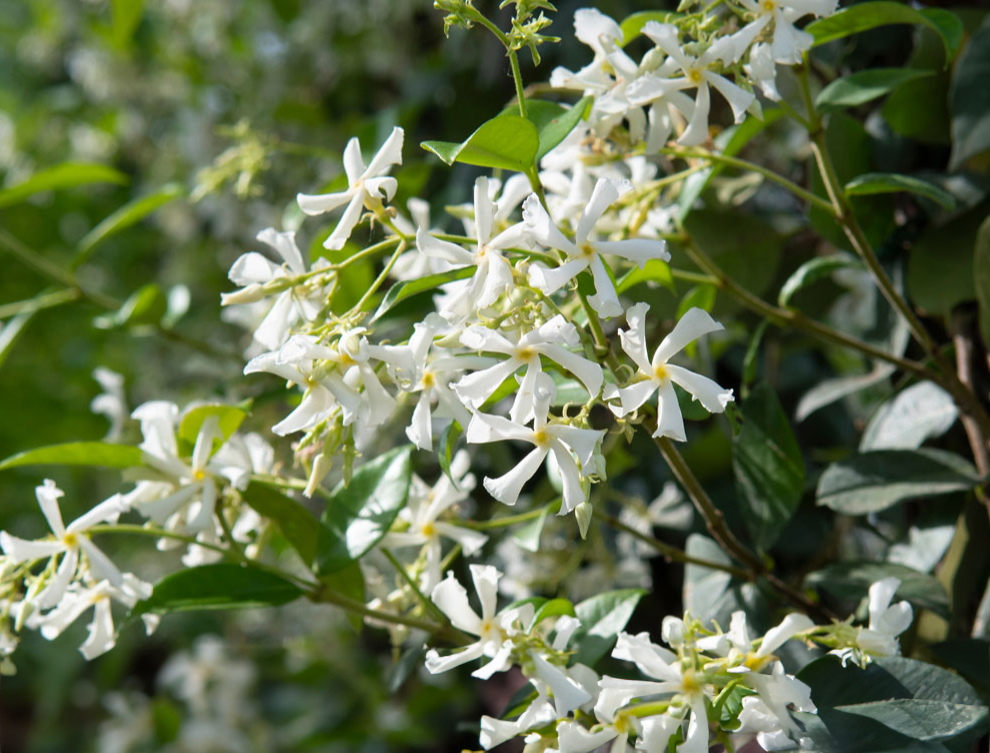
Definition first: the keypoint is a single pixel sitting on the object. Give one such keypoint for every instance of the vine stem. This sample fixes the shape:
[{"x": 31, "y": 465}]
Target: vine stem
[
  {"x": 373, "y": 288},
  {"x": 670, "y": 553}
]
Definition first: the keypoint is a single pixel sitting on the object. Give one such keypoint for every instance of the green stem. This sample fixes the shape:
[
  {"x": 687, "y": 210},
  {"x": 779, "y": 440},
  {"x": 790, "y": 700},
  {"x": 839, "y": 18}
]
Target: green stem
[
  {"x": 517, "y": 77},
  {"x": 325, "y": 596},
  {"x": 670, "y": 553},
  {"x": 741, "y": 164},
  {"x": 409, "y": 581},
  {"x": 400, "y": 249},
  {"x": 509, "y": 520},
  {"x": 369, "y": 251},
  {"x": 43, "y": 301}
]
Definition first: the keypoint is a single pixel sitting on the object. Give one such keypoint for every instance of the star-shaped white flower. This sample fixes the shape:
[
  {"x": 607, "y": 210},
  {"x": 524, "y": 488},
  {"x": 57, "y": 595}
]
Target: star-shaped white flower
[
  {"x": 584, "y": 252},
  {"x": 367, "y": 186},
  {"x": 657, "y": 375}
]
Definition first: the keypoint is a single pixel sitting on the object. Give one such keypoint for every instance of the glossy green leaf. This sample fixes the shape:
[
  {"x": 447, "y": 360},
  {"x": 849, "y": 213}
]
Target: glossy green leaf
[
  {"x": 921, "y": 411},
  {"x": 218, "y": 586},
  {"x": 602, "y": 618},
  {"x": 969, "y": 100},
  {"x": 981, "y": 278},
  {"x": 873, "y": 481},
  {"x": 655, "y": 270},
  {"x": 448, "y": 445},
  {"x": 768, "y": 466},
  {"x": 874, "y": 183},
  {"x": 146, "y": 305},
  {"x": 813, "y": 270},
  {"x": 129, "y": 214},
  {"x": 851, "y": 581},
  {"x": 400, "y": 291},
  {"x": 67, "y": 175},
  {"x": 865, "y": 86},
  {"x": 632, "y": 26},
  {"x": 550, "y": 609},
  {"x": 359, "y": 515},
  {"x": 100, "y": 454},
  {"x": 553, "y": 121},
  {"x": 298, "y": 525},
  {"x": 700, "y": 296},
  {"x": 229, "y": 419},
  {"x": 505, "y": 142},
  {"x": 870, "y": 15}
]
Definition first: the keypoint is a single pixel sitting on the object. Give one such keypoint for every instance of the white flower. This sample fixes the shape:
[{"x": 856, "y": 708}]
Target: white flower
[
  {"x": 658, "y": 375},
  {"x": 421, "y": 515},
  {"x": 492, "y": 275},
  {"x": 768, "y": 713},
  {"x": 539, "y": 713},
  {"x": 367, "y": 186},
  {"x": 696, "y": 75},
  {"x": 494, "y": 631},
  {"x": 111, "y": 402},
  {"x": 584, "y": 252},
  {"x": 789, "y": 42},
  {"x": 563, "y": 440},
  {"x": 256, "y": 275},
  {"x": 68, "y": 541},
  {"x": 549, "y": 340},
  {"x": 886, "y": 621}
]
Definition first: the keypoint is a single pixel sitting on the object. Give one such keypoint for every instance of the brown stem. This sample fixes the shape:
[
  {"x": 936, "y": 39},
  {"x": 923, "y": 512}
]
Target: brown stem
[{"x": 965, "y": 357}]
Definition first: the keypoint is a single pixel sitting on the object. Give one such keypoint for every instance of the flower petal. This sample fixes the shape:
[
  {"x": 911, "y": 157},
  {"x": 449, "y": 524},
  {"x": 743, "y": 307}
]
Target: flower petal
[{"x": 695, "y": 323}]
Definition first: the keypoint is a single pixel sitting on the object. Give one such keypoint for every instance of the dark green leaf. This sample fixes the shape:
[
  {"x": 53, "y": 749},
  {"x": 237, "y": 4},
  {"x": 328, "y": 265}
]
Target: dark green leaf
[
  {"x": 400, "y": 291},
  {"x": 874, "y": 481},
  {"x": 829, "y": 391},
  {"x": 768, "y": 466},
  {"x": 874, "y": 183},
  {"x": 553, "y": 121},
  {"x": 359, "y": 515},
  {"x": 602, "y": 618},
  {"x": 348, "y": 582},
  {"x": 78, "y": 453},
  {"x": 219, "y": 586},
  {"x": 864, "y": 86},
  {"x": 960, "y": 654},
  {"x": 61, "y": 176},
  {"x": 299, "y": 526},
  {"x": 922, "y": 411},
  {"x": 812, "y": 270},
  {"x": 851, "y": 581},
  {"x": 969, "y": 100},
  {"x": 12, "y": 330},
  {"x": 981, "y": 277},
  {"x": 870, "y": 15},
  {"x": 129, "y": 214},
  {"x": 410, "y": 661},
  {"x": 940, "y": 266},
  {"x": 713, "y": 595},
  {"x": 922, "y": 720},
  {"x": 506, "y": 142}
]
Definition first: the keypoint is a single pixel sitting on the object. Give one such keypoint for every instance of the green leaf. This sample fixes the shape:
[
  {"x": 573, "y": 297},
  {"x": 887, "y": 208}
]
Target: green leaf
[
  {"x": 100, "y": 454},
  {"x": 864, "y": 86},
  {"x": 700, "y": 296},
  {"x": 129, "y": 214},
  {"x": 958, "y": 653},
  {"x": 448, "y": 443},
  {"x": 65, "y": 175},
  {"x": 146, "y": 305},
  {"x": 219, "y": 586},
  {"x": 829, "y": 391},
  {"x": 851, "y": 581},
  {"x": 549, "y": 609},
  {"x": 922, "y": 411},
  {"x": 870, "y": 15},
  {"x": 940, "y": 265},
  {"x": 506, "y": 142},
  {"x": 528, "y": 536},
  {"x": 359, "y": 515},
  {"x": 813, "y": 270},
  {"x": 874, "y": 481},
  {"x": 229, "y": 419},
  {"x": 969, "y": 100},
  {"x": 768, "y": 466},
  {"x": 850, "y": 705},
  {"x": 298, "y": 525},
  {"x": 981, "y": 277},
  {"x": 12, "y": 330},
  {"x": 400, "y": 291},
  {"x": 553, "y": 121},
  {"x": 632, "y": 26},
  {"x": 348, "y": 582},
  {"x": 655, "y": 270},
  {"x": 874, "y": 183},
  {"x": 602, "y": 618}
]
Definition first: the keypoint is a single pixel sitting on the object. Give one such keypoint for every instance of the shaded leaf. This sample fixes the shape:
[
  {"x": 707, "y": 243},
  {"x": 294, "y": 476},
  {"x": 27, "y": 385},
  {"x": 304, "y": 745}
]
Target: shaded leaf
[
  {"x": 713, "y": 595},
  {"x": 922, "y": 411},
  {"x": 129, "y": 214},
  {"x": 768, "y": 467},
  {"x": 851, "y": 581},
  {"x": 873, "y": 481},
  {"x": 812, "y": 270},
  {"x": 874, "y": 183},
  {"x": 870, "y": 15},
  {"x": 864, "y": 86},
  {"x": 528, "y": 536},
  {"x": 400, "y": 291},
  {"x": 66, "y": 175},
  {"x": 829, "y": 391},
  {"x": 981, "y": 277},
  {"x": 218, "y": 586},
  {"x": 359, "y": 515},
  {"x": 298, "y": 525},
  {"x": 602, "y": 617},
  {"x": 969, "y": 100}
]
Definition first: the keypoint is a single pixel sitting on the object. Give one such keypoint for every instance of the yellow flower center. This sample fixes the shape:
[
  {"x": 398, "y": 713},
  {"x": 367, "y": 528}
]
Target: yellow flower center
[
  {"x": 660, "y": 372},
  {"x": 199, "y": 474},
  {"x": 587, "y": 250},
  {"x": 694, "y": 76},
  {"x": 756, "y": 663},
  {"x": 541, "y": 438},
  {"x": 428, "y": 380},
  {"x": 691, "y": 682},
  {"x": 428, "y": 530},
  {"x": 622, "y": 724},
  {"x": 525, "y": 353},
  {"x": 769, "y": 6},
  {"x": 70, "y": 540}
]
